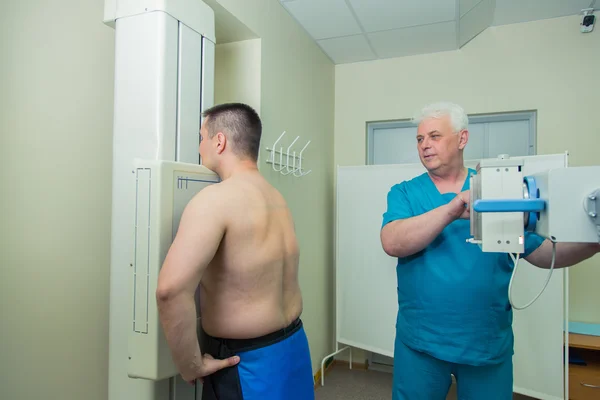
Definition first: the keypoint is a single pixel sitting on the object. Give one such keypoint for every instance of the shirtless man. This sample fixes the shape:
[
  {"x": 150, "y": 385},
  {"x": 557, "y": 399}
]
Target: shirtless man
[{"x": 236, "y": 240}]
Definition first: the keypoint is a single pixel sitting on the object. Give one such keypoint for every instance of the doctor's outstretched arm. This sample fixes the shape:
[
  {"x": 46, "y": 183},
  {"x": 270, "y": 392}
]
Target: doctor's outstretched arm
[{"x": 567, "y": 254}]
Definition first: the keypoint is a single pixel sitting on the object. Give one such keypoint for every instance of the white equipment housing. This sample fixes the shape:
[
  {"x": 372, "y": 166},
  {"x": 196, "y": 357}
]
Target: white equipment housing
[
  {"x": 510, "y": 196},
  {"x": 498, "y": 179},
  {"x": 571, "y": 195},
  {"x": 163, "y": 189},
  {"x": 164, "y": 78}
]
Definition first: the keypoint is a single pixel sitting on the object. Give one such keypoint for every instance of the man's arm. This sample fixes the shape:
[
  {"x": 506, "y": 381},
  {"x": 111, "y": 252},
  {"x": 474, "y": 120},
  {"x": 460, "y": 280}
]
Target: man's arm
[
  {"x": 567, "y": 254},
  {"x": 198, "y": 237},
  {"x": 405, "y": 237}
]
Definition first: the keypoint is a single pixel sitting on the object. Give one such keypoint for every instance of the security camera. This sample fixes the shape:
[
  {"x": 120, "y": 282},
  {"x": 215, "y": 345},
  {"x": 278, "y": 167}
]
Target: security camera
[{"x": 588, "y": 20}]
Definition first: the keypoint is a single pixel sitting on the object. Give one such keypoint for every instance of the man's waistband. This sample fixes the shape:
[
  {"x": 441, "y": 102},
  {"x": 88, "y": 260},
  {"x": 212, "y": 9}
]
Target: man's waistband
[{"x": 241, "y": 345}]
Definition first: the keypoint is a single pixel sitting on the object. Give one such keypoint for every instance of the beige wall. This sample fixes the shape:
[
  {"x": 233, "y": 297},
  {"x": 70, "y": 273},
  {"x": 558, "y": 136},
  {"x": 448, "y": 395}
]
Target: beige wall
[
  {"x": 55, "y": 155},
  {"x": 57, "y": 100},
  {"x": 297, "y": 96},
  {"x": 237, "y": 73},
  {"x": 548, "y": 66},
  {"x": 55, "y": 252}
]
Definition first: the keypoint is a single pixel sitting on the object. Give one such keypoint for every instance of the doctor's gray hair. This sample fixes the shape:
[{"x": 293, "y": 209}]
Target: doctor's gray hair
[{"x": 458, "y": 117}]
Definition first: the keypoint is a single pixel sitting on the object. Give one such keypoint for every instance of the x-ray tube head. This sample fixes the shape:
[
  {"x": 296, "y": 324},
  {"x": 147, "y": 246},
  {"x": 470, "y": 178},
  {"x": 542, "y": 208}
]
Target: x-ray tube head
[
  {"x": 557, "y": 203},
  {"x": 496, "y": 223}
]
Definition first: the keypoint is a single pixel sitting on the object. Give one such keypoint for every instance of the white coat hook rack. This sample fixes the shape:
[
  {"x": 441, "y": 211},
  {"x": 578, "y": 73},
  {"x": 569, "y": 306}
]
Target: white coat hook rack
[{"x": 287, "y": 162}]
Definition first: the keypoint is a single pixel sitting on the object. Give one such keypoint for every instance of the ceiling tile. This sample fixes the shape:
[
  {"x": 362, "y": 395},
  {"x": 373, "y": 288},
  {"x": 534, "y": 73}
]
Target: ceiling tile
[
  {"x": 380, "y": 15},
  {"x": 347, "y": 49},
  {"x": 399, "y": 28},
  {"x": 415, "y": 40},
  {"x": 514, "y": 11},
  {"x": 475, "y": 21},
  {"x": 466, "y": 5},
  {"x": 323, "y": 18}
]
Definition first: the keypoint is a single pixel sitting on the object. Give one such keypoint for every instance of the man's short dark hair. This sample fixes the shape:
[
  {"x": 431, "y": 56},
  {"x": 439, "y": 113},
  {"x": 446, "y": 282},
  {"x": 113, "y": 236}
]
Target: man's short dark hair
[{"x": 240, "y": 124}]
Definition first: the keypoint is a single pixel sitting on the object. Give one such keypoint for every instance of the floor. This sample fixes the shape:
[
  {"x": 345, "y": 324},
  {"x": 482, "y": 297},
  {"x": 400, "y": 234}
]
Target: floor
[{"x": 360, "y": 384}]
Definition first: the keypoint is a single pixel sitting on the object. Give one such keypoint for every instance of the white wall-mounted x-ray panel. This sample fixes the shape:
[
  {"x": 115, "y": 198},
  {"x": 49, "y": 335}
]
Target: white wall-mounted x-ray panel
[
  {"x": 189, "y": 94},
  {"x": 162, "y": 191},
  {"x": 164, "y": 68}
]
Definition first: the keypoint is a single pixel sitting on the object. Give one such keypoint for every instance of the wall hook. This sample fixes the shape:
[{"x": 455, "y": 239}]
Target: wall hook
[{"x": 287, "y": 163}]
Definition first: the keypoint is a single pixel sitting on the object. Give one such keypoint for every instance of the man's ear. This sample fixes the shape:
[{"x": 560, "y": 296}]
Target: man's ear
[
  {"x": 463, "y": 138},
  {"x": 221, "y": 142}
]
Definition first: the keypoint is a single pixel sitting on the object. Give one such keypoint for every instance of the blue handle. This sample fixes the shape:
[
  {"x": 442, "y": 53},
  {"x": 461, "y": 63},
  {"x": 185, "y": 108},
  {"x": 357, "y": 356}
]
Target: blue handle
[{"x": 509, "y": 205}]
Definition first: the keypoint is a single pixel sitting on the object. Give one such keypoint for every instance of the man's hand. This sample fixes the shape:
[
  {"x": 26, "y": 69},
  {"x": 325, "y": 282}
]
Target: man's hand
[
  {"x": 208, "y": 365},
  {"x": 459, "y": 207}
]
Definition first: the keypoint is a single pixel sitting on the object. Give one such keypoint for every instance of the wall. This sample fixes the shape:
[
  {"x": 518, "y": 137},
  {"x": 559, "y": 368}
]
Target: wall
[
  {"x": 237, "y": 73},
  {"x": 57, "y": 104},
  {"x": 297, "y": 96},
  {"x": 548, "y": 66},
  {"x": 55, "y": 155}
]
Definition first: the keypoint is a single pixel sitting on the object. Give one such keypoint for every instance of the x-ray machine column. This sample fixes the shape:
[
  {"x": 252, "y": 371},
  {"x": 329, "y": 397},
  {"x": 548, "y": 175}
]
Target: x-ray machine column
[{"x": 164, "y": 77}]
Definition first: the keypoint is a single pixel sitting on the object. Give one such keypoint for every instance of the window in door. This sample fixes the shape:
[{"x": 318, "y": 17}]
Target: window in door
[{"x": 394, "y": 142}]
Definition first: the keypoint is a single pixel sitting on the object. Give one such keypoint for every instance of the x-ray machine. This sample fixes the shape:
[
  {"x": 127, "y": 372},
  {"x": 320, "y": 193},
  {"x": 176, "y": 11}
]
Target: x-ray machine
[
  {"x": 509, "y": 198},
  {"x": 164, "y": 78}
]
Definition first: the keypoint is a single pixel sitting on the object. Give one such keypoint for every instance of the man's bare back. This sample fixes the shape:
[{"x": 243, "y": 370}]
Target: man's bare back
[
  {"x": 251, "y": 286},
  {"x": 236, "y": 247}
]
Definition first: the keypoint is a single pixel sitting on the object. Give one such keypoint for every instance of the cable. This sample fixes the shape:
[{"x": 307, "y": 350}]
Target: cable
[{"x": 516, "y": 258}]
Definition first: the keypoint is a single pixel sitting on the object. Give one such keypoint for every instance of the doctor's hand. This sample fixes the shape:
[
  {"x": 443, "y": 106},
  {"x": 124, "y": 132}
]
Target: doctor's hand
[{"x": 459, "y": 207}]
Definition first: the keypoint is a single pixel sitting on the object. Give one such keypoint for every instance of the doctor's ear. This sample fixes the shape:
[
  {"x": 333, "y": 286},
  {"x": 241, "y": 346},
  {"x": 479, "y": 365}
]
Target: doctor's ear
[{"x": 463, "y": 138}]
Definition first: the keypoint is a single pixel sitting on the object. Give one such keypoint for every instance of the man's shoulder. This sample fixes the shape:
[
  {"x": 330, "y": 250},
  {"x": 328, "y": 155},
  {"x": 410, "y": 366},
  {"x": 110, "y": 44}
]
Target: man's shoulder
[
  {"x": 235, "y": 193},
  {"x": 209, "y": 196},
  {"x": 211, "y": 190}
]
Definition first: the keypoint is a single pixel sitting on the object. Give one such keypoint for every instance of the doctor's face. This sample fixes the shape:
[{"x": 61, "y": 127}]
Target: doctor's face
[{"x": 438, "y": 144}]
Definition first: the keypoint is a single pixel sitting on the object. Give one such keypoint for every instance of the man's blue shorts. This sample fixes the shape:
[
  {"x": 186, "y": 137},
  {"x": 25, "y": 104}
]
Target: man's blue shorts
[
  {"x": 419, "y": 376},
  {"x": 276, "y": 366}
]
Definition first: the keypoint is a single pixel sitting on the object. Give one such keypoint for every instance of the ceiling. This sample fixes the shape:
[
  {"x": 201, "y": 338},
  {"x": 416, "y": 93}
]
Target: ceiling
[{"x": 362, "y": 30}]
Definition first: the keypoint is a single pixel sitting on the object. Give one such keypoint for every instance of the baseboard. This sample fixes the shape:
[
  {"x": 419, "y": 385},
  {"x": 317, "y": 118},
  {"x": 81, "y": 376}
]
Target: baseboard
[
  {"x": 381, "y": 368},
  {"x": 355, "y": 365}
]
